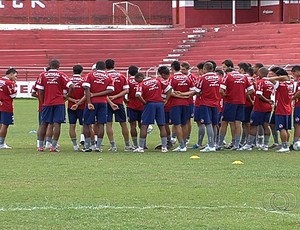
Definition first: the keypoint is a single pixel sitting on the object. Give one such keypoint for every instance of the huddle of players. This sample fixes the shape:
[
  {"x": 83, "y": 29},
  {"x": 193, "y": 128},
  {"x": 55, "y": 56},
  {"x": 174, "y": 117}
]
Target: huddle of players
[{"x": 168, "y": 99}]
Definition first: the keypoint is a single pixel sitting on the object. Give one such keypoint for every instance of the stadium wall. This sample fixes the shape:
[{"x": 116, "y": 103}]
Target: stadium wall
[{"x": 84, "y": 12}]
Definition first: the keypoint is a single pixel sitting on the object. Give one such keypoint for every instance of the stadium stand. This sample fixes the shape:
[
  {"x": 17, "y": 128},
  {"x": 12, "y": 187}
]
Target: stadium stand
[{"x": 30, "y": 50}]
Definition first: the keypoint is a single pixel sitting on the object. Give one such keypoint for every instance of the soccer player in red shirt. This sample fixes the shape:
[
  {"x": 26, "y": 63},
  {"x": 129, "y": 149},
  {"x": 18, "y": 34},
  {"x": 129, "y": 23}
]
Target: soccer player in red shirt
[
  {"x": 206, "y": 109},
  {"x": 76, "y": 104},
  {"x": 8, "y": 91},
  {"x": 185, "y": 69},
  {"x": 97, "y": 85},
  {"x": 243, "y": 68},
  {"x": 116, "y": 105},
  {"x": 233, "y": 88},
  {"x": 134, "y": 106},
  {"x": 296, "y": 74},
  {"x": 51, "y": 85},
  {"x": 150, "y": 92},
  {"x": 284, "y": 92},
  {"x": 261, "y": 110},
  {"x": 182, "y": 90}
]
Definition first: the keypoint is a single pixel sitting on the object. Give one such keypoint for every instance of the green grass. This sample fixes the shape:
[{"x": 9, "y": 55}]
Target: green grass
[{"x": 121, "y": 190}]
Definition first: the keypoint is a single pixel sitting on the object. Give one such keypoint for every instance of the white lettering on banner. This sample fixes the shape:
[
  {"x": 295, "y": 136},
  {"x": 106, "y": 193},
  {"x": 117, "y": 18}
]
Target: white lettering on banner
[
  {"x": 37, "y": 2},
  {"x": 17, "y": 4},
  {"x": 24, "y": 89}
]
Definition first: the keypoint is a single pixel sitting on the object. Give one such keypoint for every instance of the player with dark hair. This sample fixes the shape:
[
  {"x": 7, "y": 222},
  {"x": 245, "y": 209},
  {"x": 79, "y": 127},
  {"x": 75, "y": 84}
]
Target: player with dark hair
[
  {"x": 8, "y": 91},
  {"x": 116, "y": 106},
  {"x": 206, "y": 112},
  {"x": 261, "y": 110},
  {"x": 76, "y": 104},
  {"x": 134, "y": 106},
  {"x": 150, "y": 93},
  {"x": 284, "y": 92},
  {"x": 227, "y": 64},
  {"x": 97, "y": 86},
  {"x": 182, "y": 90},
  {"x": 233, "y": 88},
  {"x": 51, "y": 85}
]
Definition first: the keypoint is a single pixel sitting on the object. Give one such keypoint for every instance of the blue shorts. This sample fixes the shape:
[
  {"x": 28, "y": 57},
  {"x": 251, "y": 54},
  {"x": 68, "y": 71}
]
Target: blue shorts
[
  {"x": 272, "y": 121},
  {"x": 297, "y": 115},
  {"x": 167, "y": 117},
  {"x": 179, "y": 115},
  {"x": 74, "y": 115},
  {"x": 191, "y": 110},
  {"x": 120, "y": 114},
  {"x": 247, "y": 114},
  {"x": 153, "y": 111},
  {"x": 283, "y": 122},
  {"x": 54, "y": 114},
  {"x": 6, "y": 118},
  {"x": 259, "y": 118},
  {"x": 99, "y": 114},
  {"x": 206, "y": 115},
  {"x": 233, "y": 112},
  {"x": 134, "y": 115}
]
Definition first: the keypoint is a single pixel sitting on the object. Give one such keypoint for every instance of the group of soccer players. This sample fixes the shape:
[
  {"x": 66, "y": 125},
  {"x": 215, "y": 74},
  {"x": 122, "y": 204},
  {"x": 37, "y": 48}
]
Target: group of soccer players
[{"x": 212, "y": 97}]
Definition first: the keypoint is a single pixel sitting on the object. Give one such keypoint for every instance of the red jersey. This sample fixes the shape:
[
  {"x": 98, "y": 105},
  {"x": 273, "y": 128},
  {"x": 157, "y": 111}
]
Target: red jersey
[
  {"x": 180, "y": 82},
  {"x": 208, "y": 85},
  {"x": 297, "y": 101},
  {"x": 133, "y": 101},
  {"x": 53, "y": 83},
  {"x": 252, "y": 96},
  {"x": 8, "y": 91},
  {"x": 194, "y": 79},
  {"x": 151, "y": 89},
  {"x": 284, "y": 94},
  {"x": 78, "y": 91},
  {"x": 120, "y": 84},
  {"x": 98, "y": 81},
  {"x": 265, "y": 88},
  {"x": 235, "y": 86}
]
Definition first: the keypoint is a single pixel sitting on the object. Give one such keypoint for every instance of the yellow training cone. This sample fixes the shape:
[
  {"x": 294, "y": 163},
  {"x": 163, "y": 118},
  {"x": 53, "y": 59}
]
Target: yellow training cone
[
  {"x": 195, "y": 157},
  {"x": 237, "y": 163}
]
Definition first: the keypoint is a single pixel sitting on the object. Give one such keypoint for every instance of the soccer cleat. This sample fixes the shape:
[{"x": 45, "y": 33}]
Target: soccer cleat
[
  {"x": 139, "y": 150},
  {"x": 82, "y": 143},
  {"x": 264, "y": 148},
  {"x": 219, "y": 148},
  {"x": 93, "y": 147},
  {"x": 245, "y": 147},
  {"x": 283, "y": 150},
  {"x": 178, "y": 149},
  {"x": 234, "y": 148},
  {"x": 54, "y": 150},
  {"x": 128, "y": 148},
  {"x": 208, "y": 149},
  {"x": 195, "y": 146},
  {"x": 76, "y": 147},
  {"x": 5, "y": 146},
  {"x": 86, "y": 150},
  {"x": 113, "y": 149},
  {"x": 164, "y": 150},
  {"x": 275, "y": 145},
  {"x": 98, "y": 150},
  {"x": 41, "y": 149}
]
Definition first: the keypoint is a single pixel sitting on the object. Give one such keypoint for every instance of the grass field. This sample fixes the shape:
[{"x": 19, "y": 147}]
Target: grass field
[{"x": 69, "y": 190}]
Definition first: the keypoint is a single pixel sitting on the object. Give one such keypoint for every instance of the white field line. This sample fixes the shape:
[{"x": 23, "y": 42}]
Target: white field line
[{"x": 111, "y": 207}]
